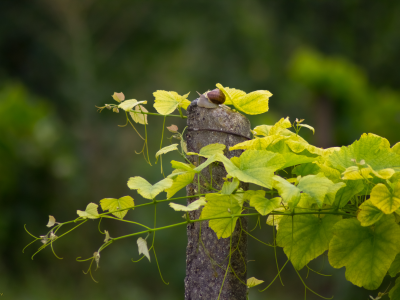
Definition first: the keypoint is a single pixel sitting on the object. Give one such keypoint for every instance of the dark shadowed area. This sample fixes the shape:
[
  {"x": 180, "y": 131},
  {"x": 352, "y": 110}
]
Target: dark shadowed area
[{"x": 332, "y": 63}]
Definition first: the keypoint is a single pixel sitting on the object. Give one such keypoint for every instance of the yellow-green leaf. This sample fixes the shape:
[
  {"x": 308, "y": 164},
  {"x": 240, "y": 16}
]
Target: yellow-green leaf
[
  {"x": 137, "y": 115},
  {"x": 366, "y": 252},
  {"x": 192, "y": 206},
  {"x": 212, "y": 149},
  {"x": 279, "y": 126},
  {"x": 305, "y": 237},
  {"x": 369, "y": 214},
  {"x": 252, "y": 281},
  {"x": 253, "y": 103},
  {"x": 127, "y": 105},
  {"x": 179, "y": 183},
  {"x": 145, "y": 189},
  {"x": 221, "y": 206},
  {"x": 387, "y": 201},
  {"x": 114, "y": 205},
  {"x": 167, "y": 149},
  {"x": 90, "y": 212},
  {"x": 264, "y": 205},
  {"x": 167, "y": 102}
]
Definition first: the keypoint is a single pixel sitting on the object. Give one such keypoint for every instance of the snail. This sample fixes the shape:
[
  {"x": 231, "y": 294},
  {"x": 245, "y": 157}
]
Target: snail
[{"x": 211, "y": 99}]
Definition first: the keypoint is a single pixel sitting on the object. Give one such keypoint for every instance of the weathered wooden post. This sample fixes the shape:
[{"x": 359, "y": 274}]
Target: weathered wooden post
[{"x": 206, "y": 261}]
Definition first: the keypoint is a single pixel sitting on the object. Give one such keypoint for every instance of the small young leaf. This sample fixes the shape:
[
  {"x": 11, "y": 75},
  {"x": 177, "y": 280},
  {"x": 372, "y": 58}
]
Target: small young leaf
[
  {"x": 90, "y": 212},
  {"x": 192, "y": 206},
  {"x": 307, "y": 126},
  {"x": 96, "y": 256},
  {"x": 142, "y": 246},
  {"x": 145, "y": 189},
  {"x": 107, "y": 238},
  {"x": 51, "y": 222},
  {"x": 118, "y": 96},
  {"x": 252, "y": 281},
  {"x": 167, "y": 149},
  {"x": 173, "y": 128},
  {"x": 114, "y": 205}
]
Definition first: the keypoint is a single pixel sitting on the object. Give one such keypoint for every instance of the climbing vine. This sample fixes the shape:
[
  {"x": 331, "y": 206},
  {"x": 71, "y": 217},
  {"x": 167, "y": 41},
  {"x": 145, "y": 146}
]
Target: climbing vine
[{"x": 344, "y": 200}]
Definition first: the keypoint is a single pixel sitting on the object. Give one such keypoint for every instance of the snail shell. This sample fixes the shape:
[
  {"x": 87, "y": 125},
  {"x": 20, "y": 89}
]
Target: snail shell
[
  {"x": 211, "y": 99},
  {"x": 216, "y": 96}
]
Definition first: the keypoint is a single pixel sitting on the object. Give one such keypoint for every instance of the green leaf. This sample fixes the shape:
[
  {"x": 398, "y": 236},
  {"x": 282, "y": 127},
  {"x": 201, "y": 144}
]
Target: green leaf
[
  {"x": 316, "y": 187},
  {"x": 142, "y": 246},
  {"x": 279, "y": 126},
  {"x": 137, "y": 115},
  {"x": 258, "y": 143},
  {"x": 212, "y": 149},
  {"x": 221, "y": 206},
  {"x": 306, "y": 169},
  {"x": 167, "y": 102},
  {"x": 273, "y": 220},
  {"x": 373, "y": 149},
  {"x": 394, "y": 293},
  {"x": 289, "y": 193},
  {"x": 230, "y": 186},
  {"x": 252, "y": 281},
  {"x": 366, "y": 252},
  {"x": 192, "y": 206},
  {"x": 256, "y": 166},
  {"x": 264, "y": 205},
  {"x": 179, "y": 183},
  {"x": 332, "y": 191},
  {"x": 145, "y": 189},
  {"x": 90, "y": 212},
  {"x": 396, "y": 148},
  {"x": 345, "y": 194},
  {"x": 127, "y": 105},
  {"x": 395, "y": 266},
  {"x": 112, "y": 204},
  {"x": 167, "y": 149},
  {"x": 369, "y": 214},
  {"x": 182, "y": 166},
  {"x": 305, "y": 237},
  {"x": 253, "y": 103},
  {"x": 387, "y": 201}
]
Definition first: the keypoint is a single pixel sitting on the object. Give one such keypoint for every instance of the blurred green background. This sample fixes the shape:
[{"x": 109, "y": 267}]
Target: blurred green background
[{"x": 333, "y": 63}]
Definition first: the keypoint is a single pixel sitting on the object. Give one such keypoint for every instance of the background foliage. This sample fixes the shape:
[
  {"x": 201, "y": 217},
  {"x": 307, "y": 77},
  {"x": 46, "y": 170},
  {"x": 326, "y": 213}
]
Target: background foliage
[{"x": 331, "y": 62}]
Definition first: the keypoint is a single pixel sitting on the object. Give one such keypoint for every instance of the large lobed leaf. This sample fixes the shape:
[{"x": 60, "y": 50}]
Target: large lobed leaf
[
  {"x": 366, "y": 252},
  {"x": 305, "y": 237}
]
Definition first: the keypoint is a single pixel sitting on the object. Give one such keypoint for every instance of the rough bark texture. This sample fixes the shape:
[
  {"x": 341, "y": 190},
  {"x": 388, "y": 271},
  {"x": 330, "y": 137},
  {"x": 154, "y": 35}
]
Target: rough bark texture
[{"x": 207, "y": 259}]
